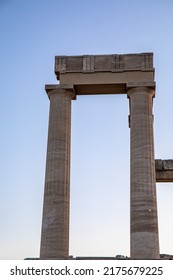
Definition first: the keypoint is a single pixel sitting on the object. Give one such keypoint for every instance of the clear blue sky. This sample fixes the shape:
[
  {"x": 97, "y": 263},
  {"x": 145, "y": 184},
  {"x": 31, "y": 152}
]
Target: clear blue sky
[{"x": 32, "y": 32}]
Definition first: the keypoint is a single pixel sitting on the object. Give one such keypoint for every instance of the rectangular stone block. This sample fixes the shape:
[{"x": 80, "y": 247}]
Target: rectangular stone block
[
  {"x": 164, "y": 170},
  {"x": 103, "y": 63},
  {"x": 158, "y": 164},
  {"x": 168, "y": 164}
]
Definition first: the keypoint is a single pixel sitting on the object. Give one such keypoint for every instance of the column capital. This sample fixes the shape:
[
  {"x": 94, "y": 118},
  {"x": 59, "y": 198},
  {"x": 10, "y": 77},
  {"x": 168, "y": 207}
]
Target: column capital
[
  {"x": 151, "y": 84},
  {"x": 140, "y": 87},
  {"x": 61, "y": 89}
]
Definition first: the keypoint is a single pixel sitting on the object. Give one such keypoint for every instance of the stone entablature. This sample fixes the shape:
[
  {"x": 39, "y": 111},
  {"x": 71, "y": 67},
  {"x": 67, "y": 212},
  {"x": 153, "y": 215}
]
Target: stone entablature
[
  {"x": 164, "y": 170},
  {"x": 164, "y": 165},
  {"x": 103, "y": 63},
  {"x": 105, "y": 74}
]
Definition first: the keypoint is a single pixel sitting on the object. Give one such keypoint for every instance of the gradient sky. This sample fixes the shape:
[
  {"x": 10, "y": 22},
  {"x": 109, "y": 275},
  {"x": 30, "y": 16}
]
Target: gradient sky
[{"x": 32, "y": 32}]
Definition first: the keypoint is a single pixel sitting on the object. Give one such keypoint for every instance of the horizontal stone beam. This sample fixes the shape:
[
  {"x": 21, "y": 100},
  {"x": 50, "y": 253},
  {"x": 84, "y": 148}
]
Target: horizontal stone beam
[
  {"x": 103, "y": 63},
  {"x": 104, "y": 74},
  {"x": 164, "y": 170}
]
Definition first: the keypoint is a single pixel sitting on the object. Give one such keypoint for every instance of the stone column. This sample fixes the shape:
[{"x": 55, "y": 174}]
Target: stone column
[
  {"x": 55, "y": 224},
  {"x": 144, "y": 222}
]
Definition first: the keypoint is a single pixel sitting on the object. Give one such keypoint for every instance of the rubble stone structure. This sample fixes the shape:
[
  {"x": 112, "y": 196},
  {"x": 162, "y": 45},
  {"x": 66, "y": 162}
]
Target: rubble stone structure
[{"x": 130, "y": 74}]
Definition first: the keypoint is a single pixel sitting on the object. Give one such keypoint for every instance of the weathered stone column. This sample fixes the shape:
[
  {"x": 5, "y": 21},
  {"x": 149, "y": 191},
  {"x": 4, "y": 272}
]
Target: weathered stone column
[
  {"x": 55, "y": 224},
  {"x": 144, "y": 222}
]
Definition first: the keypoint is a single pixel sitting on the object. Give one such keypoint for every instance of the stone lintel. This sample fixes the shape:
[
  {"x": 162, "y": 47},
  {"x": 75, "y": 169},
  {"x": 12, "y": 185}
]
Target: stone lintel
[
  {"x": 94, "y": 88},
  {"x": 164, "y": 165},
  {"x": 52, "y": 89},
  {"x": 164, "y": 170},
  {"x": 103, "y": 63},
  {"x": 103, "y": 78},
  {"x": 91, "y": 72},
  {"x": 89, "y": 89}
]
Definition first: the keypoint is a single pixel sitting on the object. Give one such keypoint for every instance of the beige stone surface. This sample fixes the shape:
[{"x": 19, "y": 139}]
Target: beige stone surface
[
  {"x": 55, "y": 224},
  {"x": 103, "y": 63},
  {"x": 104, "y": 74},
  {"x": 101, "y": 78},
  {"x": 144, "y": 222}
]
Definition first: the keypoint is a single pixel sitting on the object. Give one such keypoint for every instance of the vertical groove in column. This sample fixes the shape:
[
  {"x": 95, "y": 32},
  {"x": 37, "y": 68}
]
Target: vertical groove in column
[
  {"x": 55, "y": 224},
  {"x": 144, "y": 222}
]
